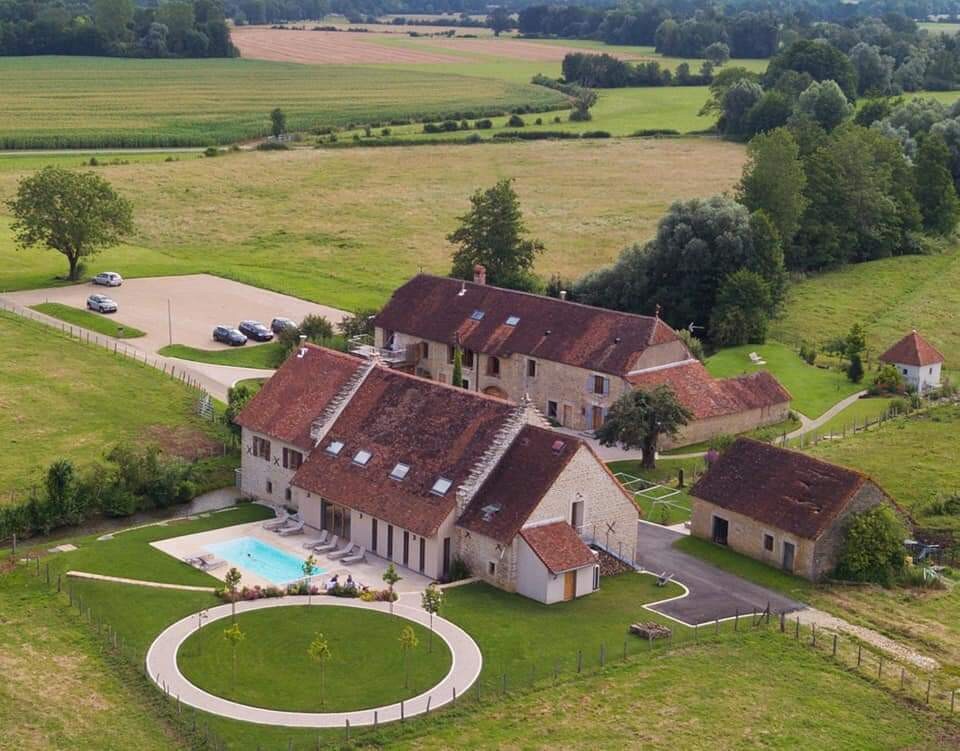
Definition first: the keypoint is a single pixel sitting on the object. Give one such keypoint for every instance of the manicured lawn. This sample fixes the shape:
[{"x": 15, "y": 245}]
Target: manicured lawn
[
  {"x": 248, "y": 356},
  {"x": 87, "y": 320},
  {"x": 64, "y": 399},
  {"x": 889, "y": 297},
  {"x": 274, "y": 670},
  {"x": 842, "y": 424},
  {"x": 676, "y": 508},
  {"x": 768, "y": 433},
  {"x": 237, "y": 215},
  {"x": 814, "y": 390}
]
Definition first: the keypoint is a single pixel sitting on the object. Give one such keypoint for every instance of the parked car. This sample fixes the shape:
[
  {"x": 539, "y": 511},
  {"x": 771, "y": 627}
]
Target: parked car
[
  {"x": 229, "y": 335},
  {"x": 101, "y": 304},
  {"x": 279, "y": 324},
  {"x": 108, "y": 279},
  {"x": 256, "y": 331}
]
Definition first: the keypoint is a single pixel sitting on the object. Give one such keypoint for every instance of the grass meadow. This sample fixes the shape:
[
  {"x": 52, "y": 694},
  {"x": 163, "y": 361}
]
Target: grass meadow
[{"x": 86, "y": 319}]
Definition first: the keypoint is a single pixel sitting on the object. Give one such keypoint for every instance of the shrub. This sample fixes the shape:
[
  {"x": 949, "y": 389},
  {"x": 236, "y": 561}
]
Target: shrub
[
  {"x": 484, "y": 124},
  {"x": 459, "y": 569},
  {"x": 538, "y": 121},
  {"x": 515, "y": 121},
  {"x": 474, "y": 138},
  {"x": 648, "y": 132},
  {"x": 578, "y": 116},
  {"x": 721, "y": 442},
  {"x": 342, "y": 591},
  {"x": 464, "y": 125},
  {"x": 808, "y": 353},
  {"x": 596, "y": 134},
  {"x": 873, "y": 549},
  {"x": 888, "y": 381},
  {"x": 557, "y": 119},
  {"x": 385, "y": 132},
  {"x": 211, "y": 151}
]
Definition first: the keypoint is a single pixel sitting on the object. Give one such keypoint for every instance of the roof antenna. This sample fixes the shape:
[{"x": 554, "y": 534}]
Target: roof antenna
[{"x": 657, "y": 313}]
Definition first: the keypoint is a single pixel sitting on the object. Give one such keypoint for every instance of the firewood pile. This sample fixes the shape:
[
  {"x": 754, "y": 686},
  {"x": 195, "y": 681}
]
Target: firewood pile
[
  {"x": 611, "y": 565},
  {"x": 650, "y": 630}
]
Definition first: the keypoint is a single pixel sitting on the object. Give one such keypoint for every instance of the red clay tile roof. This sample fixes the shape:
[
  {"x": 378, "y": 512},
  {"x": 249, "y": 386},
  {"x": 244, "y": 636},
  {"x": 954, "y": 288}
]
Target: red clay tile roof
[
  {"x": 607, "y": 341},
  {"x": 436, "y": 430},
  {"x": 559, "y": 546},
  {"x": 913, "y": 349},
  {"x": 518, "y": 483},
  {"x": 784, "y": 489},
  {"x": 706, "y": 396},
  {"x": 297, "y": 393}
]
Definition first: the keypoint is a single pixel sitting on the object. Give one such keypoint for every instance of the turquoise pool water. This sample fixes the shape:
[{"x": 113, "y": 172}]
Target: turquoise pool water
[{"x": 273, "y": 564}]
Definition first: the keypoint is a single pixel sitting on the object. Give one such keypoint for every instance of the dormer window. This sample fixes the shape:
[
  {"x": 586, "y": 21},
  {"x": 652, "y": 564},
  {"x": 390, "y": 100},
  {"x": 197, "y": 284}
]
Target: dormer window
[
  {"x": 362, "y": 457},
  {"x": 334, "y": 448},
  {"x": 513, "y": 320},
  {"x": 399, "y": 471},
  {"x": 441, "y": 486},
  {"x": 477, "y": 315}
]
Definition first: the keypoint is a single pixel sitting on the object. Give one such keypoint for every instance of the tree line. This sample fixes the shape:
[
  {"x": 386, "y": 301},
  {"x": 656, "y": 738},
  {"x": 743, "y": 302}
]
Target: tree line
[
  {"x": 608, "y": 72},
  {"x": 115, "y": 28}
]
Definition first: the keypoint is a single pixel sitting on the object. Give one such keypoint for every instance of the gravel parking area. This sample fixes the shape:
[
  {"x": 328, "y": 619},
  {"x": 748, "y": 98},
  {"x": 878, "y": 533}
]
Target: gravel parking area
[{"x": 196, "y": 304}]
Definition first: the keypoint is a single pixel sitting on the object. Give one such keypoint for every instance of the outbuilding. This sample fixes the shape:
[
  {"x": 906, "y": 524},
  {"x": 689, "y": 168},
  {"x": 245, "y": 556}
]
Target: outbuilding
[
  {"x": 781, "y": 507},
  {"x": 918, "y": 361}
]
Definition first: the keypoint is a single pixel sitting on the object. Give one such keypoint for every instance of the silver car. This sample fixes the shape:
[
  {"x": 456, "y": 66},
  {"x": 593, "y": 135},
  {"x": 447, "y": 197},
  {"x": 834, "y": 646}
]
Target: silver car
[
  {"x": 108, "y": 279},
  {"x": 101, "y": 304}
]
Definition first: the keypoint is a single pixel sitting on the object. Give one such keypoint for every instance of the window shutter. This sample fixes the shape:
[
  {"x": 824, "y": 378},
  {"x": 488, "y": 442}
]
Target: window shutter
[
  {"x": 590, "y": 384},
  {"x": 606, "y": 386}
]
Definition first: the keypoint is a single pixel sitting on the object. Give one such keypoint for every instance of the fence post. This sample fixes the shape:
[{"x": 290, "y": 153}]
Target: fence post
[
  {"x": 454, "y": 694},
  {"x": 347, "y": 722},
  {"x": 624, "y": 650},
  {"x": 603, "y": 654},
  {"x": 834, "y": 645},
  {"x": 880, "y": 668},
  {"x": 783, "y": 622},
  {"x": 859, "y": 654},
  {"x": 929, "y": 681},
  {"x": 953, "y": 697},
  {"x": 579, "y": 661},
  {"x": 813, "y": 633},
  {"x": 902, "y": 676},
  {"x": 736, "y": 620},
  {"x": 402, "y": 711}
]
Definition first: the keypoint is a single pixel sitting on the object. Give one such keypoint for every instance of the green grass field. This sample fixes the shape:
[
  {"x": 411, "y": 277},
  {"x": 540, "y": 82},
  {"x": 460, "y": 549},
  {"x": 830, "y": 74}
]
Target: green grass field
[
  {"x": 61, "y": 398},
  {"x": 274, "y": 670},
  {"x": 889, "y": 297},
  {"x": 676, "y": 508},
  {"x": 814, "y": 390},
  {"x": 843, "y": 423},
  {"x": 59, "y": 102},
  {"x": 247, "y": 356},
  {"x": 87, "y": 320}
]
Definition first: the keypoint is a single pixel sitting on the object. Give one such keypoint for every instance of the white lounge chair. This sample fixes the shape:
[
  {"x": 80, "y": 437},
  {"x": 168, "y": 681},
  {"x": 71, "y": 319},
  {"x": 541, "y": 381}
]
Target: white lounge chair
[
  {"x": 292, "y": 520},
  {"x": 274, "y": 524},
  {"x": 213, "y": 563},
  {"x": 360, "y": 555},
  {"x": 331, "y": 545},
  {"x": 314, "y": 544},
  {"x": 344, "y": 551},
  {"x": 296, "y": 529}
]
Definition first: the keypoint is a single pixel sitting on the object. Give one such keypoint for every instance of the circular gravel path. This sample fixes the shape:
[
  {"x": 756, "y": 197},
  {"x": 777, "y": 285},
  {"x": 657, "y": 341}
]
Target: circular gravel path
[{"x": 464, "y": 669}]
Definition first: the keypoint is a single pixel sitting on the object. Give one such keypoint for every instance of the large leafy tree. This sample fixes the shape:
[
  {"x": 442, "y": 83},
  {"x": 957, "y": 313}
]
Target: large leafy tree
[
  {"x": 823, "y": 62},
  {"x": 825, "y": 104},
  {"x": 935, "y": 191},
  {"x": 492, "y": 234},
  {"x": 75, "y": 213},
  {"x": 773, "y": 181},
  {"x": 873, "y": 547},
  {"x": 639, "y": 418},
  {"x": 742, "y": 312}
]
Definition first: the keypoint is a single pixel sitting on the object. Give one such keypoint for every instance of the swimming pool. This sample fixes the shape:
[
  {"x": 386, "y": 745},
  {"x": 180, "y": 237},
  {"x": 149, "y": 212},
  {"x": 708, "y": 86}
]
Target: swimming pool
[{"x": 273, "y": 564}]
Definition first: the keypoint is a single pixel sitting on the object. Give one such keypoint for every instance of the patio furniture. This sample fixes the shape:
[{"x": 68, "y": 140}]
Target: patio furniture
[
  {"x": 296, "y": 529},
  {"x": 344, "y": 551},
  {"x": 212, "y": 563},
  {"x": 357, "y": 557},
  {"x": 334, "y": 541},
  {"x": 314, "y": 544},
  {"x": 274, "y": 524}
]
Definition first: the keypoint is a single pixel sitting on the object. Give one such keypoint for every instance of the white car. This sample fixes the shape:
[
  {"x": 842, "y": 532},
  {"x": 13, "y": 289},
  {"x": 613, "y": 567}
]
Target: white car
[
  {"x": 108, "y": 279},
  {"x": 101, "y": 304}
]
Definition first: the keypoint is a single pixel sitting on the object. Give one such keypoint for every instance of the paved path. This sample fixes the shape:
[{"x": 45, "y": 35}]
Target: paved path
[
  {"x": 806, "y": 424},
  {"x": 711, "y": 592},
  {"x": 163, "y": 670},
  {"x": 137, "y": 582}
]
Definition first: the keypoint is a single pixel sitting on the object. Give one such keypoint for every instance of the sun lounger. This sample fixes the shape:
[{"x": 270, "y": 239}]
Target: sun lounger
[
  {"x": 296, "y": 529},
  {"x": 213, "y": 563},
  {"x": 292, "y": 520},
  {"x": 274, "y": 524},
  {"x": 314, "y": 544},
  {"x": 360, "y": 555},
  {"x": 344, "y": 551},
  {"x": 331, "y": 545}
]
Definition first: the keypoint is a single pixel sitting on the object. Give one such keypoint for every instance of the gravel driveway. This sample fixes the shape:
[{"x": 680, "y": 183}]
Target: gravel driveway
[{"x": 713, "y": 593}]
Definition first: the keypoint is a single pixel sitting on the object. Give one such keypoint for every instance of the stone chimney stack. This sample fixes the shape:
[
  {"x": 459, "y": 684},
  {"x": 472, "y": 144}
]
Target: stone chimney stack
[{"x": 479, "y": 274}]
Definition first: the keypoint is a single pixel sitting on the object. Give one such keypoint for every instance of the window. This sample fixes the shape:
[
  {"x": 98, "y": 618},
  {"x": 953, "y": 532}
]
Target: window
[
  {"x": 532, "y": 368},
  {"x": 269, "y": 488},
  {"x": 292, "y": 459},
  {"x": 424, "y": 350},
  {"x": 601, "y": 385},
  {"x": 491, "y": 568},
  {"x": 399, "y": 471},
  {"x": 477, "y": 315},
  {"x": 441, "y": 486},
  {"x": 468, "y": 358},
  {"x": 768, "y": 542},
  {"x": 288, "y": 494},
  {"x": 451, "y": 352},
  {"x": 261, "y": 447},
  {"x": 513, "y": 320},
  {"x": 334, "y": 448},
  {"x": 493, "y": 366},
  {"x": 552, "y": 410},
  {"x": 362, "y": 457},
  {"x": 904, "y": 371}
]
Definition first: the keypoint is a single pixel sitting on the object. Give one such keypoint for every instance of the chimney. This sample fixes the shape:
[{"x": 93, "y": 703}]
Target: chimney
[
  {"x": 563, "y": 294},
  {"x": 479, "y": 274}
]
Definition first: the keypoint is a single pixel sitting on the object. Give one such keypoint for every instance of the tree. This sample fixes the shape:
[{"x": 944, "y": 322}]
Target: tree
[
  {"x": 499, "y": 20},
  {"x": 76, "y": 214},
  {"x": 874, "y": 71},
  {"x": 743, "y": 310},
  {"x": 431, "y": 600},
  {"x": 319, "y": 650},
  {"x": 309, "y": 568},
  {"x": 231, "y": 581},
  {"x": 856, "y": 341},
  {"x": 855, "y": 369},
  {"x": 358, "y": 324},
  {"x": 237, "y": 398},
  {"x": 873, "y": 547},
  {"x": 582, "y": 101},
  {"x": 408, "y": 642},
  {"x": 935, "y": 191},
  {"x": 717, "y": 53},
  {"x": 737, "y": 103},
  {"x": 825, "y": 104},
  {"x": 113, "y": 18},
  {"x": 822, "y": 61},
  {"x": 278, "y": 122},
  {"x": 491, "y": 234},
  {"x": 457, "y": 367},
  {"x": 390, "y": 578},
  {"x": 773, "y": 181},
  {"x": 638, "y": 419},
  {"x": 234, "y": 636},
  {"x": 693, "y": 343}
]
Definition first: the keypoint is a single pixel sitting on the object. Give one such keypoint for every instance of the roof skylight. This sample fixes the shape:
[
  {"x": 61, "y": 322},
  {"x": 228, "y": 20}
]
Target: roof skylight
[
  {"x": 477, "y": 315},
  {"x": 399, "y": 471},
  {"x": 513, "y": 320},
  {"x": 441, "y": 486},
  {"x": 334, "y": 448},
  {"x": 362, "y": 457}
]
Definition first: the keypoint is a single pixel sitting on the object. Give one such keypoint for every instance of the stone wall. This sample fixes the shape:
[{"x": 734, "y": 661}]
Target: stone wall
[
  {"x": 256, "y": 472},
  {"x": 829, "y": 546},
  {"x": 740, "y": 422}
]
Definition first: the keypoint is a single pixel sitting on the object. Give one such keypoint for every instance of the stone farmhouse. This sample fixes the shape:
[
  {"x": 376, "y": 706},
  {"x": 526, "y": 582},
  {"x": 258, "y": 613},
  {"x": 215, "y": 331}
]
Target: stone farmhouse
[
  {"x": 918, "y": 361},
  {"x": 421, "y": 473},
  {"x": 781, "y": 507},
  {"x": 573, "y": 361}
]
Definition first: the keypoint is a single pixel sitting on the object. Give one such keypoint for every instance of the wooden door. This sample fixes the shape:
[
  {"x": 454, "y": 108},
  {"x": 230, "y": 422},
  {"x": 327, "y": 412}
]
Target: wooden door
[
  {"x": 789, "y": 553},
  {"x": 567, "y": 416},
  {"x": 597, "y": 417},
  {"x": 569, "y": 585}
]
